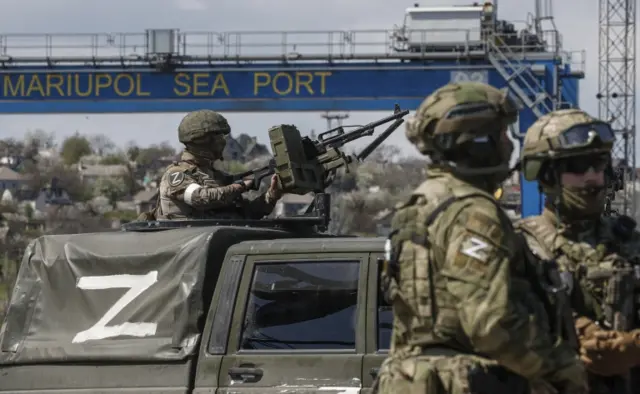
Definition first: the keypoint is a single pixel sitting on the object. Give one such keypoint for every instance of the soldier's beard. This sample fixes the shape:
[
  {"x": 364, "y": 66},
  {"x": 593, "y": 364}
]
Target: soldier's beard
[{"x": 581, "y": 203}]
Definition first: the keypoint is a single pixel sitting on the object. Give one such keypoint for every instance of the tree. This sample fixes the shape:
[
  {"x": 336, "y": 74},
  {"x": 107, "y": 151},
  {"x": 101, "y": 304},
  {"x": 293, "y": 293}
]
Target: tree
[
  {"x": 154, "y": 152},
  {"x": 73, "y": 148},
  {"x": 132, "y": 150},
  {"x": 113, "y": 159},
  {"x": 40, "y": 176},
  {"x": 101, "y": 144},
  {"x": 40, "y": 138},
  {"x": 113, "y": 189}
]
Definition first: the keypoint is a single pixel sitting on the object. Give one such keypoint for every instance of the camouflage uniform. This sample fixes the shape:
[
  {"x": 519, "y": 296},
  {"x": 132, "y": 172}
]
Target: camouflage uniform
[
  {"x": 468, "y": 314},
  {"x": 596, "y": 253},
  {"x": 191, "y": 188}
]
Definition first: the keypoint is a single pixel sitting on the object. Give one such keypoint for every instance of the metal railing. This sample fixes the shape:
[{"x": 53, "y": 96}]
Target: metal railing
[{"x": 261, "y": 46}]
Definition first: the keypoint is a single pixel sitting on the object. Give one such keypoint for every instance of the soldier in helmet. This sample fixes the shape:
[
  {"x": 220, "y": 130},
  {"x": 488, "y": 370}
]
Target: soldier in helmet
[
  {"x": 192, "y": 188},
  {"x": 569, "y": 153},
  {"x": 469, "y": 315}
]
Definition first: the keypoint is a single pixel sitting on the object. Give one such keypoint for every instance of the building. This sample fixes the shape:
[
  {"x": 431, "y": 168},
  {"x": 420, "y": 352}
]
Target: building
[
  {"x": 145, "y": 200},
  {"x": 10, "y": 180}
]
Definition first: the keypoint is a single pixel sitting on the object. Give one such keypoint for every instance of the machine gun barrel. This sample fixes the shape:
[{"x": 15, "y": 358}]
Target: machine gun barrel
[
  {"x": 339, "y": 137},
  {"x": 379, "y": 140}
]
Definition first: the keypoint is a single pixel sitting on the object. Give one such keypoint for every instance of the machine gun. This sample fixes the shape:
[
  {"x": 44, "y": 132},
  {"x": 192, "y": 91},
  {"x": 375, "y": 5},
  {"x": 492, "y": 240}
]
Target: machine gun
[{"x": 305, "y": 165}]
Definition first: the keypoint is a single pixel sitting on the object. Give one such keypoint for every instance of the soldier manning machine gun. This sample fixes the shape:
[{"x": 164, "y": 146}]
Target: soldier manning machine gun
[{"x": 303, "y": 166}]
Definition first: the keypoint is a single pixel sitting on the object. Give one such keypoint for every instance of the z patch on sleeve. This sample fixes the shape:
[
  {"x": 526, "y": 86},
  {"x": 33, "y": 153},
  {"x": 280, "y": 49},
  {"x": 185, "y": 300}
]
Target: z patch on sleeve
[
  {"x": 176, "y": 178},
  {"x": 476, "y": 248},
  {"x": 479, "y": 244}
]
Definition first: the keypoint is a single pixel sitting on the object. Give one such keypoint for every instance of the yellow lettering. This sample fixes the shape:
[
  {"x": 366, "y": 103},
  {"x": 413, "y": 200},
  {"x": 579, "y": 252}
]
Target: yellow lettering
[
  {"x": 139, "y": 92},
  {"x": 103, "y": 81},
  {"x": 57, "y": 84},
  {"x": 307, "y": 84},
  {"x": 289, "y": 84},
  {"x": 258, "y": 83},
  {"x": 35, "y": 85},
  {"x": 69, "y": 85},
  {"x": 219, "y": 83},
  {"x": 323, "y": 82},
  {"x": 283, "y": 83},
  {"x": 89, "y": 90},
  {"x": 197, "y": 83},
  {"x": 181, "y": 80},
  {"x": 11, "y": 90},
  {"x": 130, "y": 87}
]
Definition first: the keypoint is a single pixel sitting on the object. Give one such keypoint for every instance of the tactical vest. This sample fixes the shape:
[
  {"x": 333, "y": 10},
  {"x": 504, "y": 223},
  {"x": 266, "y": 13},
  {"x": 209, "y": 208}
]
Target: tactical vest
[
  {"x": 425, "y": 313},
  {"x": 604, "y": 277}
]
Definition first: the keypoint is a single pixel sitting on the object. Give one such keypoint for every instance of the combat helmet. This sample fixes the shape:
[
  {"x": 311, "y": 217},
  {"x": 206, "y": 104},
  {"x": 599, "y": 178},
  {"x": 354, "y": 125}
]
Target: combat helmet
[
  {"x": 562, "y": 134},
  {"x": 203, "y": 133},
  {"x": 461, "y": 124}
]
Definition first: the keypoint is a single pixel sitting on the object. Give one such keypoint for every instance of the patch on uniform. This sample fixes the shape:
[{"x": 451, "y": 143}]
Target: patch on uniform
[
  {"x": 176, "y": 178},
  {"x": 486, "y": 227},
  {"x": 475, "y": 248}
]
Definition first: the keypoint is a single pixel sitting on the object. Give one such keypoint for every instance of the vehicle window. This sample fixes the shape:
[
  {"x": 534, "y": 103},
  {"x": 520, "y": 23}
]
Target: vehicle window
[
  {"x": 303, "y": 306},
  {"x": 384, "y": 318}
]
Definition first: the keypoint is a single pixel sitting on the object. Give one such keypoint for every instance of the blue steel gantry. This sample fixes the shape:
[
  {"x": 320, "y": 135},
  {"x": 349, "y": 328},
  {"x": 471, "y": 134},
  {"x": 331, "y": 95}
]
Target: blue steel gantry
[{"x": 171, "y": 71}]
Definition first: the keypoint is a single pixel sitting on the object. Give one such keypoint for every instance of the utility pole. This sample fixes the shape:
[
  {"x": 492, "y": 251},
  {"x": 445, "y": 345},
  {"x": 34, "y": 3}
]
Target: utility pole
[{"x": 337, "y": 117}]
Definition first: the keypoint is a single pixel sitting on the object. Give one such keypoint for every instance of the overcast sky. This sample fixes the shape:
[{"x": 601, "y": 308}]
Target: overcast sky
[{"x": 577, "y": 20}]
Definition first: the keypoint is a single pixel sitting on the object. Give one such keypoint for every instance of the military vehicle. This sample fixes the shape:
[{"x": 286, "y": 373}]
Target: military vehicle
[{"x": 204, "y": 306}]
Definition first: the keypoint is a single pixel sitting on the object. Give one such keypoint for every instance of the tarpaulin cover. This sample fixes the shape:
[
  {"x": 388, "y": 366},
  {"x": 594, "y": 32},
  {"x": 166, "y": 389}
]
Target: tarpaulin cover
[{"x": 119, "y": 296}]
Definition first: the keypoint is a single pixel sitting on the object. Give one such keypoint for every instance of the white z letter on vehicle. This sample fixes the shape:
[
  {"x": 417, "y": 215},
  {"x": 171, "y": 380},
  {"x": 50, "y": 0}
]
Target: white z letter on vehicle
[{"x": 137, "y": 284}]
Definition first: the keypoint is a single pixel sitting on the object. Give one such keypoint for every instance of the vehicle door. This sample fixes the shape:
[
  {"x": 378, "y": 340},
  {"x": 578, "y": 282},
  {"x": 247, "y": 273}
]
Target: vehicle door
[
  {"x": 298, "y": 325},
  {"x": 216, "y": 331},
  {"x": 379, "y": 323}
]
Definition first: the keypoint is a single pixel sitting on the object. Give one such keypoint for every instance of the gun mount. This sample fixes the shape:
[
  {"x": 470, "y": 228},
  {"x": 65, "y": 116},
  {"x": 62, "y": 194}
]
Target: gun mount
[{"x": 303, "y": 165}]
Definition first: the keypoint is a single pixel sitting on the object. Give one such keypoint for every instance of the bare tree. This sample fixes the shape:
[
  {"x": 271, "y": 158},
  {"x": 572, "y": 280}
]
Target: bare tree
[{"x": 101, "y": 144}]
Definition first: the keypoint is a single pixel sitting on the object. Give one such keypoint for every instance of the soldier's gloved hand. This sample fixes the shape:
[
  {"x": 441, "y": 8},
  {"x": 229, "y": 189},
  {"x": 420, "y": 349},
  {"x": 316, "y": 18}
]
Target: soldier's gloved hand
[
  {"x": 585, "y": 327},
  {"x": 571, "y": 379},
  {"x": 610, "y": 353},
  {"x": 243, "y": 185}
]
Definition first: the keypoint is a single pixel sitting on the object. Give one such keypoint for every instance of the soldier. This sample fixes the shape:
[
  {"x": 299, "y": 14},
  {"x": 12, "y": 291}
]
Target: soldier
[
  {"x": 469, "y": 315},
  {"x": 569, "y": 153},
  {"x": 192, "y": 188}
]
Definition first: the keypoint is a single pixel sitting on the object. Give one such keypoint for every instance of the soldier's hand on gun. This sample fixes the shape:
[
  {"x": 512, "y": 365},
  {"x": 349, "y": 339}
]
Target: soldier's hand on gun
[
  {"x": 275, "y": 189},
  {"x": 611, "y": 353}
]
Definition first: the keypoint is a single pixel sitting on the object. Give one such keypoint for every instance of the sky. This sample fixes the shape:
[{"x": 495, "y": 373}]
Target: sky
[{"x": 577, "y": 20}]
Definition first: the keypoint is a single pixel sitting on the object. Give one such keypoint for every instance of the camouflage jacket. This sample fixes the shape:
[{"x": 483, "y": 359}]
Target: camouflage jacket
[
  {"x": 189, "y": 191},
  {"x": 467, "y": 285},
  {"x": 592, "y": 258}
]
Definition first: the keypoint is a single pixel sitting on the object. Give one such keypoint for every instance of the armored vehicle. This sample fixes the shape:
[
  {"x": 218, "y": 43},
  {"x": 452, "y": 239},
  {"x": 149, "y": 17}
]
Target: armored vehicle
[{"x": 200, "y": 308}]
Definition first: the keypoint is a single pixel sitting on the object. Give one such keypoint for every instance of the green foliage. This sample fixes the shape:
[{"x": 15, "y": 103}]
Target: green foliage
[
  {"x": 146, "y": 156},
  {"x": 232, "y": 166},
  {"x": 113, "y": 159},
  {"x": 112, "y": 188},
  {"x": 28, "y": 211},
  {"x": 73, "y": 148}
]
